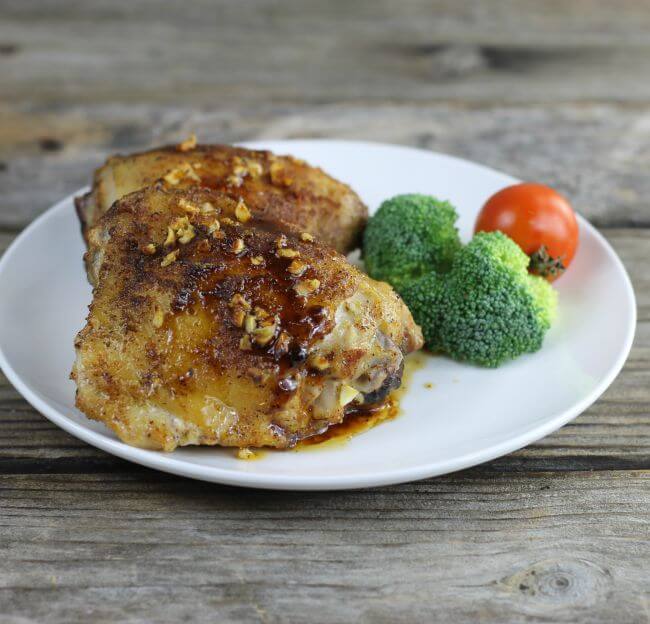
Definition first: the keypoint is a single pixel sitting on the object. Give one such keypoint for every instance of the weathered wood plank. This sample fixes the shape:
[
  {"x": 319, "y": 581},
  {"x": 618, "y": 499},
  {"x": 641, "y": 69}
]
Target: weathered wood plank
[
  {"x": 5, "y": 240},
  {"x": 615, "y": 432},
  {"x": 237, "y": 53},
  {"x": 462, "y": 548},
  {"x": 597, "y": 155},
  {"x": 557, "y": 91}
]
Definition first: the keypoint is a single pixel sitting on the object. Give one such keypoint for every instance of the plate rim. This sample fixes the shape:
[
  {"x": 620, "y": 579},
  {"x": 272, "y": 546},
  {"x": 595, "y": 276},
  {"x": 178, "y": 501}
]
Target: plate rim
[{"x": 167, "y": 463}]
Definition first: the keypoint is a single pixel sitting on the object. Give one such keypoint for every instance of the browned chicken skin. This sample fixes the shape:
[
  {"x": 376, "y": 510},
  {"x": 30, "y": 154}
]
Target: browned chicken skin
[
  {"x": 274, "y": 187},
  {"x": 211, "y": 326}
]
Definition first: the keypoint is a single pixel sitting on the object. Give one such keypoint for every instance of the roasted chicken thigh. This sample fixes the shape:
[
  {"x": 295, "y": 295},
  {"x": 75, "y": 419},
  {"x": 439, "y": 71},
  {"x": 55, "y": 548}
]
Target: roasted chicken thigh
[
  {"x": 273, "y": 187},
  {"x": 211, "y": 325}
]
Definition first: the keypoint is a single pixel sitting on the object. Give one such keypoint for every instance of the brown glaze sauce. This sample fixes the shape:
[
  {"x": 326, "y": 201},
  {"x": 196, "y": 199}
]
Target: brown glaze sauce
[
  {"x": 363, "y": 418},
  {"x": 357, "y": 420},
  {"x": 211, "y": 285}
]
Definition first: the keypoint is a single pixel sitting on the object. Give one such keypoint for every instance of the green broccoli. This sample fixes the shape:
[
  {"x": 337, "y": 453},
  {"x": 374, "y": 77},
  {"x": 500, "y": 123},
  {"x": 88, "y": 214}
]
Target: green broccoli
[
  {"x": 409, "y": 236},
  {"x": 487, "y": 309},
  {"x": 423, "y": 298}
]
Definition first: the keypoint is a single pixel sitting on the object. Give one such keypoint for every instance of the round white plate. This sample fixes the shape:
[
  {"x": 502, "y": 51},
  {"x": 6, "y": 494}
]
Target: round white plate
[{"x": 468, "y": 416}]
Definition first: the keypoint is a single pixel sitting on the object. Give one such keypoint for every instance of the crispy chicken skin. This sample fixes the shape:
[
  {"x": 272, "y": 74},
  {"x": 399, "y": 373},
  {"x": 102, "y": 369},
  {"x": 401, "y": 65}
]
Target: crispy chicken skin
[
  {"x": 275, "y": 187},
  {"x": 211, "y": 326}
]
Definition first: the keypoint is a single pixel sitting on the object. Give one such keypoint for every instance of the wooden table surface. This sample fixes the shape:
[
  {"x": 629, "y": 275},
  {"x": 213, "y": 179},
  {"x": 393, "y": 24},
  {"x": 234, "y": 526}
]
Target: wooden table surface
[{"x": 556, "y": 91}]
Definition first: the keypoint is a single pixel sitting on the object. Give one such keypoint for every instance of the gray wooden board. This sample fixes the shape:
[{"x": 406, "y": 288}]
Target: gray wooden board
[
  {"x": 597, "y": 154},
  {"x": 555, "y": 91},
  {"x": 215, "y": 52},
  {"x": 538, "y": 547}
]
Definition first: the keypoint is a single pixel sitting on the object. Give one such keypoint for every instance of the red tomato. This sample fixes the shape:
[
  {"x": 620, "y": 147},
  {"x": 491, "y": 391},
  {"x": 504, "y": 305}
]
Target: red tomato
[{"x": 539, "y": 220}]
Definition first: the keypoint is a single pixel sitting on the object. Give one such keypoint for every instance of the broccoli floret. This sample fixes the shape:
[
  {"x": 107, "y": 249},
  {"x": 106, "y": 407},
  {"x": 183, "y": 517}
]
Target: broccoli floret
[
  {"x": 422, "y": 297},
  {"x": 410, "y": 235},
  {"x": 487, "y": 309}
]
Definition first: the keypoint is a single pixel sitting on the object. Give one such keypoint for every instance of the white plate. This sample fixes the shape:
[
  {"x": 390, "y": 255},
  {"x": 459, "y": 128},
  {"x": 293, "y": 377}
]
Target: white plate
[{"x": 471, "y": 415}]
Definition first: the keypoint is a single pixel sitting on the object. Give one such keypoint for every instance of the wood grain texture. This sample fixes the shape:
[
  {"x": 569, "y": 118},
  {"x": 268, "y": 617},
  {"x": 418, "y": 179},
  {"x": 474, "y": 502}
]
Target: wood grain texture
[
  {"x": 597, "y": 154},
  {"x": 463, "y": 548},
  {"x": 241, "y": 52},
  {"x": 555, "y": 91}
]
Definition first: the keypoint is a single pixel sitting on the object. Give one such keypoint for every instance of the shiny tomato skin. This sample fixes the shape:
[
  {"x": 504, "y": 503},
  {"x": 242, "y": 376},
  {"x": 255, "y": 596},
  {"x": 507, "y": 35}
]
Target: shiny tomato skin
[{"x": 533, "y": 215}]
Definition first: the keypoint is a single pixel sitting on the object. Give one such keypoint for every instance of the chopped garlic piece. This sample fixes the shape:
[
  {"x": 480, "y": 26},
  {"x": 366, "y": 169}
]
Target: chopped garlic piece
[
  {"x": 347, "y": 394},
  {"x": 171, "y": 237},
  {"x": 263, "y": 335},
  {"x": 238, "y": 246},
  {"x": 238, "y": 317},
  {"x": 242, "y": 212},
  {"x": 170, "y": 257},
  {"x": 185, "y": 170},
  {"x": 307, "y": 287},
  {"x": 188, "y": 144},
  {"x": 250, "y": 323},
  {"x": 297, "y": 267},
  {"x": 188, "y": 206},
  {"x": 239, "y": 300}
]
